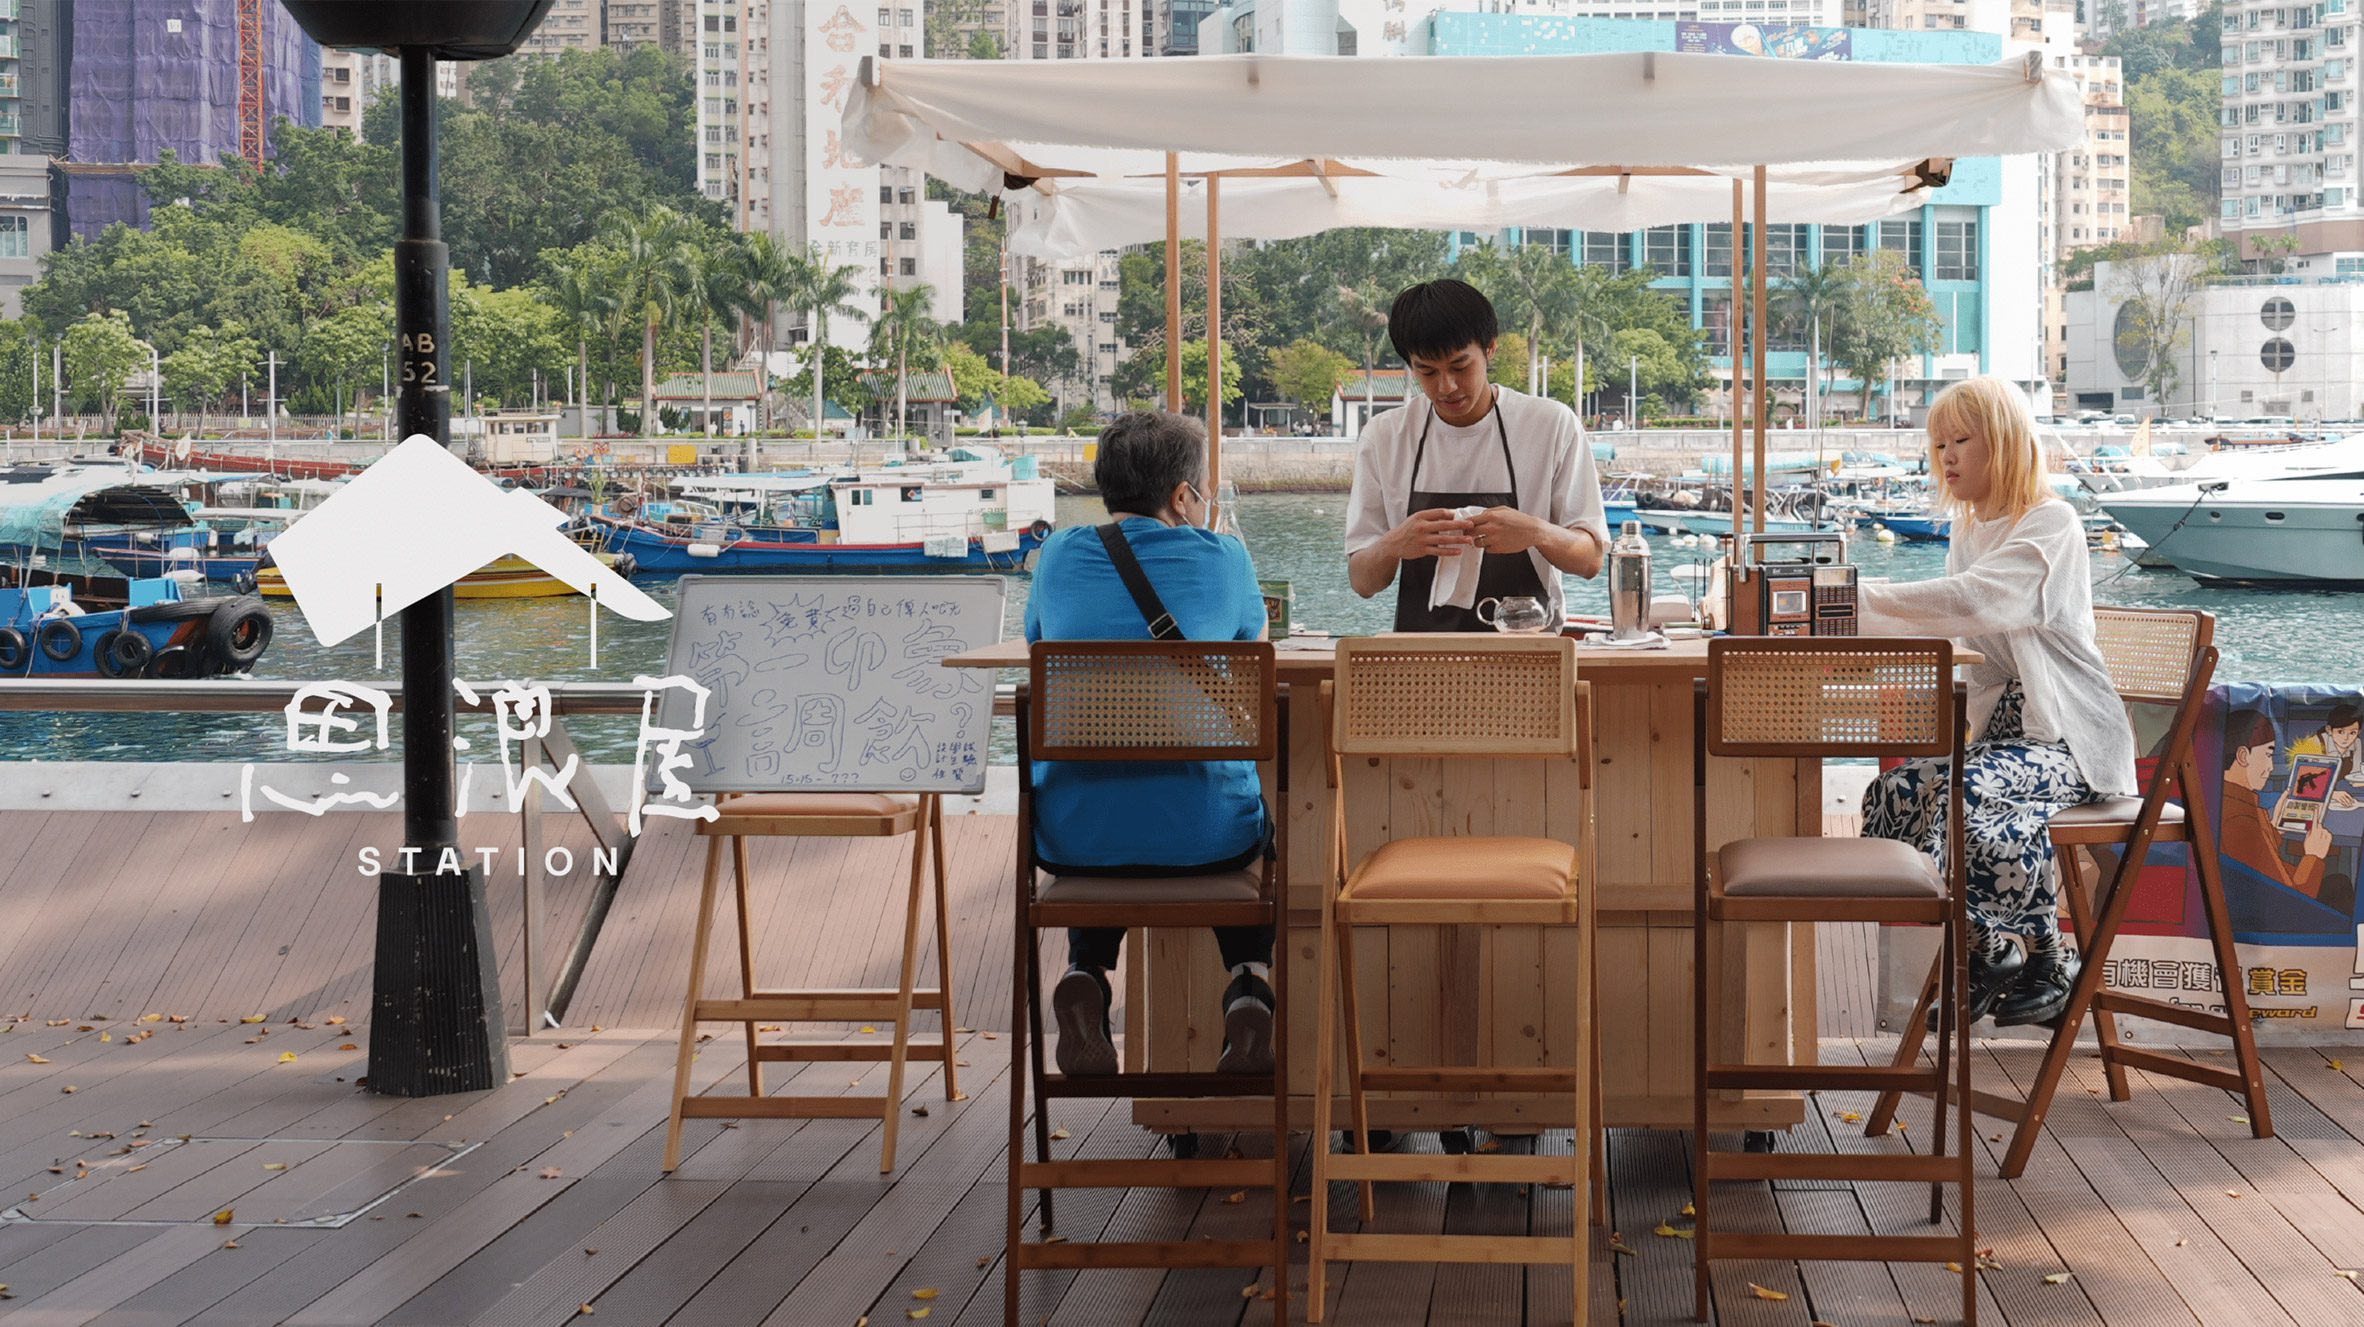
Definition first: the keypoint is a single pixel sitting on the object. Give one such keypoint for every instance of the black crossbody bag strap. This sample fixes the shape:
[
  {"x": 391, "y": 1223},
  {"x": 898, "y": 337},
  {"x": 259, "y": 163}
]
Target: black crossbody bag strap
[{"x": 1128, "y": 569}]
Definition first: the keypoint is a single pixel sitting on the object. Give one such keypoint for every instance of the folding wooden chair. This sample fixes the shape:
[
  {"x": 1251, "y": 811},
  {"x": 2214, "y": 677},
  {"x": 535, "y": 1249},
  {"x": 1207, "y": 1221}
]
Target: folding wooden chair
[
  {"x": 1815, "y": 698},
  {"x": 1480, "y": 698},
  {"x": 1110, "y": 701},
  {"x": 816, "y": 815},
  {"x": 2156, "y": 657}
]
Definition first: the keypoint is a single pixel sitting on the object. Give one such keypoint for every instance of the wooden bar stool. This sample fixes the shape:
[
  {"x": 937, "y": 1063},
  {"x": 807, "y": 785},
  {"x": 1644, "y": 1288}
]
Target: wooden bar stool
[
  {"x": 1471, "y": 697},
  {"x": 1815, "y": 698},
  {"x": 1134, "y": 701},
  {"x": 817, "y": 815},
  {"x": 2164, "y": 658}
]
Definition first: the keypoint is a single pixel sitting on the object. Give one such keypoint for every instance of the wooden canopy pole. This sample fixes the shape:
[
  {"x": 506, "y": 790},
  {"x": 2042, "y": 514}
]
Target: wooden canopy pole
[
  {"x": 1759, "y": 396},
  {"x": 1214, "y": 336},
  {"x": 1739, "y": 374},
  {"x": 1174, "y": 282}
]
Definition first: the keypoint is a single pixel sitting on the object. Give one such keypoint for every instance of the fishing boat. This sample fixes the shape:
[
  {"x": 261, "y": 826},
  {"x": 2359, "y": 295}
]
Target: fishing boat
[
  {"x": 503, "y": 578},
  {"x": 186, "y": 456},
  {"x": 971, "y": 511}
]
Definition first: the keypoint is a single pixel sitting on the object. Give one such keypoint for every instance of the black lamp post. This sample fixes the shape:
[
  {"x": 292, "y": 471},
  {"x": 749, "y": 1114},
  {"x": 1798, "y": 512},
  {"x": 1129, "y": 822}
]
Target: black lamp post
[{"x": 435, "y": 1020}]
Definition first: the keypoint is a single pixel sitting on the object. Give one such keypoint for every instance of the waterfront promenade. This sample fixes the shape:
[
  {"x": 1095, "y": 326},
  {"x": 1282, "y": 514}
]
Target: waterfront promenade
[{"x": 128, "y": 1133}]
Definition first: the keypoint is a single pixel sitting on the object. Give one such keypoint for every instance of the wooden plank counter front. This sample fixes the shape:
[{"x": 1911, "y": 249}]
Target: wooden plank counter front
[{"x": 1499, "y": 995}]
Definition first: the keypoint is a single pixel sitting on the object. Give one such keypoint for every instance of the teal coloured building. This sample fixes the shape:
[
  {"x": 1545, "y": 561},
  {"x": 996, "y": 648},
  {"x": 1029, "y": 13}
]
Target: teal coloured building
[{"x": 1974, "y": 244}]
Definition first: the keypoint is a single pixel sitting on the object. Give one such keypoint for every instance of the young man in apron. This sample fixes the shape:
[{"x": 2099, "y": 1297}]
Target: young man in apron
[{"x": 1468, "y": 443}]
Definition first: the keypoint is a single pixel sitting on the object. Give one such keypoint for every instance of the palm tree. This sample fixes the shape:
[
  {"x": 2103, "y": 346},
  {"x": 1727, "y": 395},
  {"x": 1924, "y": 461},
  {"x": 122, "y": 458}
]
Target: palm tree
[
  {"x": 1811, "y": 301},
  {"x": 1590, "y": 302},
  {"x": 713, "y": 285},
  {"x": 766, "y": 280},
  {"x": 823, "y": 291},
  {"x": 1543, "y": 289},
  {"x": 585, "y": 304},
  {"x": 655, "y": 280},
  {"x": 1364, "y": 312},
  {"x": 905, "y": 327}
]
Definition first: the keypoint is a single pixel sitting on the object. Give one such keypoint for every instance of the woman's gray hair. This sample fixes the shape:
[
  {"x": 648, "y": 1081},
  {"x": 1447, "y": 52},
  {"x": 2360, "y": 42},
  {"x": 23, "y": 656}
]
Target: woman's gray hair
[{"x": 1144, "y": 455}]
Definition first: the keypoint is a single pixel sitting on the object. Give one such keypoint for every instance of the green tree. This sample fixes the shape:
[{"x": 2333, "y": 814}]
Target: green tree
[
  {"x": 653, "y": 286},
  {"x": 714, "y": 286},
  {"x": 1194, "y": 375},
  {"x": 101, "y": 356},
  {"x": 19, "y": 355},
  {"x": 1362, "y": 311},
  {"x": 1308, "y": 372},
  {"x": 972, "y": 377},
  {"x": 1809, "y": 303},
  {"x": 904, "y": 330},
  {"x": 349, "y": 346},
  {"x": 1886, "y": 316},
  {"x": 208, "y": 364},
  {"x": 822, "y": 290},
  {"x": 581, "y": 290},
  {"x": 1534, "y": 284},
  {"x": 2156, "y": 292},
  {"x": 1019, "y": 395},
  {"x": 839, "y": 367},
  {"x": 1653, "y": 363}
]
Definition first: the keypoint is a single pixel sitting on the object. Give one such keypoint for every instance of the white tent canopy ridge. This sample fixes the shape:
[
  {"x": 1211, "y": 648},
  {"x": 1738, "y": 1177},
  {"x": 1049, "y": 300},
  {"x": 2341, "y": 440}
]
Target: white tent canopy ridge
[
  {"x": 1070, "y": 217},
  {"x": 970, "y": 122}
]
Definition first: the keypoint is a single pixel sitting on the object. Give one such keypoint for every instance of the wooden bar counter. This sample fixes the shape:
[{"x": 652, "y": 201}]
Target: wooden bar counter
[{"x": 1503, "y": 995}]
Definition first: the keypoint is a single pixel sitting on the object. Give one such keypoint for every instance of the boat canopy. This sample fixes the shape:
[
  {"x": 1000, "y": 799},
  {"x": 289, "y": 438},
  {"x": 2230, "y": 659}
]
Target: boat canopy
[
  {"x": 36, "y": 514},
  {"x": 751, "y": 484}
]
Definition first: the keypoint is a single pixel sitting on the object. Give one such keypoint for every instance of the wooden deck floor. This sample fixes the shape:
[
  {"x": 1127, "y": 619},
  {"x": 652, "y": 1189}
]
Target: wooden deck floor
[{"x": 530, "y": 1202}]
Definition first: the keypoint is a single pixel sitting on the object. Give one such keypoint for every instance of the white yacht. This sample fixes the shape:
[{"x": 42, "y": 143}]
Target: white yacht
[
  {"x": 2251, "y": 532},
  {"x": 2340, "y": 459}
]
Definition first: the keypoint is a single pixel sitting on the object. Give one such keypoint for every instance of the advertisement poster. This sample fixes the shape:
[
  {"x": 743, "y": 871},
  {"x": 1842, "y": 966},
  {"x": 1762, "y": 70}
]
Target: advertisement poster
[
  {"x": 2283, "y": 783},
  {"x": 1782, "y": 41}
]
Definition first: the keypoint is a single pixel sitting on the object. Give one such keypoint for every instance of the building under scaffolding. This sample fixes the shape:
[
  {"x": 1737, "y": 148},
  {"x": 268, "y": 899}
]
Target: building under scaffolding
[{"x": 202, "y": 78}]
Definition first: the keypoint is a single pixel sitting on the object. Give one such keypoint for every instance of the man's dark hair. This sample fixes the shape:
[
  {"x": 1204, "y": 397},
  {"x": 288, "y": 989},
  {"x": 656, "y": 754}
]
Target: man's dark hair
[
  {"x": 1143, "y": 455},
  {"x": 1439, "y": 318},
  {"x": 2343, "y": 715},
  {"x": 2244, "y": 729}
]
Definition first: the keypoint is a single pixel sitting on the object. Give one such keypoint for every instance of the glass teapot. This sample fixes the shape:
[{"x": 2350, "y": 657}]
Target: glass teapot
[{"x": 1515, "y": 614}]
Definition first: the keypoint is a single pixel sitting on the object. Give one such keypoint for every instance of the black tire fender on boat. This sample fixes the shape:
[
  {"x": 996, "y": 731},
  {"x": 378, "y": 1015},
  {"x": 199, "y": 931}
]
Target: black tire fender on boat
[
  {"x": 60, "y": 639},
  {"x": 127, "y": 650},
  {"x": 238, "y": 633},
  {"x": 626, "y": 565},
  {"x": 178, "y": 610},
  {"x": 176, "y": 662},
  {"x": 14, "y": 649},
  {"x": 244, "y": 582},
  {"x": 1041, "y": 529}
]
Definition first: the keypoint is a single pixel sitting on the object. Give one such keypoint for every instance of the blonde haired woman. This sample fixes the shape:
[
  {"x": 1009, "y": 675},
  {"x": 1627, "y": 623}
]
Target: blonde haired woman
[{"x": 2049, "y": 731}]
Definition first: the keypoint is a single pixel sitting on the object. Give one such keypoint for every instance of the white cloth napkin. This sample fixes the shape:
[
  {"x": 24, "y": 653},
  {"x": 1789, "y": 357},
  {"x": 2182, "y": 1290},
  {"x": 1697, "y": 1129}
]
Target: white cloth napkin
[{"x": 1456, "y": 580}]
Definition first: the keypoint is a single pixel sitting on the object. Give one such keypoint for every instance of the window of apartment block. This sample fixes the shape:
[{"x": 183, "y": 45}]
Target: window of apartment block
[
  {"x": 910, "y": 230},
  {"x": 1956, "y": 258},
  {"x": 1667, "y": 250},
  {"x": 1785, "y": 249},
  {"x": 1840, "y": 243},
  {"x": 911, "y": 267},
  {"x": 1903, "y": 237},
  {"x": 16, "y": 237},
  {"x": 1716, "y": 248},
  {"x": 1609, "y": 250}
]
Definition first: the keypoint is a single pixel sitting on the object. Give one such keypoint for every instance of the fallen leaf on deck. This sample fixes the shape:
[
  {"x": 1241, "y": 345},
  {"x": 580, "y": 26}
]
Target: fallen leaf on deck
[
  {"x": 105, "y": 1037},
  {"x": 229, "y": 1244},
  {"x": 1777, "y": 1296},
  {"x": 69, "y": 1088},
  {"x": 988, "y": 1036},
  {"x": 928, "y": 1293},
  {"x": 2238, "y": 1119},
  {"x": 2232, "y": 1193},
  {"x": 1238, "y": 1196},
  {"x": 2349, "y": 1273},
  {"x": 920, "y": 1111},
  {"x": 868, "y": 1030},
  {"x": 585, "y": 1309},
  {"x": 287, "y": 1057},
  {"x": 957, "y": 1030},
  {"x": 984, "y": 1260},
  {"x": 1617, "y": 1244},
  {"x": 1665, "y": 1231},
  {"x": 1490, "y": 1145},
  {"x": 1247, "y": 1291},
  {"x": 180, "y": 1018},
  {"x": 916, "y": 1314},
  {"x": 252, "y": 1018},
  {"x": 1954, "y": 1267},
  {"x": 1305, "y": 1235},
  {"x": 335, "y": 1019},
  {"x": 1689, "y": 1210},
  {"x": 224, "y": 1216},
  {"x": 31, "y": 1058},
  {"x": 2181, "y": 1242},
  {"x": 1850, "y": 1117},
  {"x": 137, "y": 1169},
  {"x": 551, "y": 1172},
  {"x": 59, "y": 1022},
  {"x": 2058, "y": 1278},
  {"x": 349, "y": 1046},
  {"x": 1058, "y": 1133},
  {"x": 274, "y": 1165}
]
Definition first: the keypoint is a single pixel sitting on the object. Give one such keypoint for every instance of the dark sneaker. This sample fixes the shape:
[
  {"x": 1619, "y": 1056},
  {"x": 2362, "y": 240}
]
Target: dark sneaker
[
  {"x": 1989, "y": 979},
  {"x": 1247, "y": 1027},
  {"x": 1079, "y": 1003},
  {"x": 2042, "y": 993}
]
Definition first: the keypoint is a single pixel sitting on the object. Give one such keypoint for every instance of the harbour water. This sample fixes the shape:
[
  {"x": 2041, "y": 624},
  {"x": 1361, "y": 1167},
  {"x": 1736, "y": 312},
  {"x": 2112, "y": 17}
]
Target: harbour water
[{"x": 2266, "y": 636}]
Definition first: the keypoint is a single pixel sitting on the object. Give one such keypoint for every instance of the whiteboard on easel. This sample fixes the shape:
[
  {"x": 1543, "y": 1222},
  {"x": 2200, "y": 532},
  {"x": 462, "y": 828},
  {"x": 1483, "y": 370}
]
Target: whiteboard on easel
[{"x": 834, "y": 683}]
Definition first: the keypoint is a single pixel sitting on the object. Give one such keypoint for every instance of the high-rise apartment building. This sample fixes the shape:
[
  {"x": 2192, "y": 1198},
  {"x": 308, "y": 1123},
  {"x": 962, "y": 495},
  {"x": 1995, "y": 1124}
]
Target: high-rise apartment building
[
  {"x": 1403, "y": 27},
  {"x": 1074, "y": 29},
  {"x": 2015, "y": 20},
  {"x": 772, "y": 81},
  {"x": 350, "y": 80},
  {"x": 2105, "y": 19},
  {"x": 2094, "y": 181},
  {"x": 582, "y": 25},
  {"x": 2290, "y": 126},
  {"x": 1170, "y": 27}
]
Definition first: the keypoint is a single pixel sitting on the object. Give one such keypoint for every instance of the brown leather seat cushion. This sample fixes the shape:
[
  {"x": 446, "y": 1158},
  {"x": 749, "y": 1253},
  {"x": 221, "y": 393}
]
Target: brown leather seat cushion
[
  {"x": 2114, "y": 811},
  {"x": 1828, "y": 868},
  {"x": 818, "y": 804},
  {"x": 1468, "y": 867},
  {"x": 1242, "y": 886}
]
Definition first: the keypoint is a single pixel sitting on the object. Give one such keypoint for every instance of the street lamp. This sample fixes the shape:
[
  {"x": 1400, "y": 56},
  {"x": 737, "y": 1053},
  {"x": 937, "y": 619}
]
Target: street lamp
[{"x": 436, "y": 1021}]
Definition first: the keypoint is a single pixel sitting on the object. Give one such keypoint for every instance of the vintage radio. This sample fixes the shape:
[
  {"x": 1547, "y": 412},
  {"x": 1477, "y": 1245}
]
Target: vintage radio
[{"x": 1791, "y": 585}]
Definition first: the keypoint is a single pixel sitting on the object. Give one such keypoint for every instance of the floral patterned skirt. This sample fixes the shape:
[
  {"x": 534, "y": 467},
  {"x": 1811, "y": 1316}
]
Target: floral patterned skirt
[{"x": 2012, "y": 787}]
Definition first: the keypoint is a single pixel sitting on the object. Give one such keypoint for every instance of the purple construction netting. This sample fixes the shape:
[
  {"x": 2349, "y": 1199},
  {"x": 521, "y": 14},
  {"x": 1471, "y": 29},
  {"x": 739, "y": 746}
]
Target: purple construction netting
[{"x": 137, "y": 87}]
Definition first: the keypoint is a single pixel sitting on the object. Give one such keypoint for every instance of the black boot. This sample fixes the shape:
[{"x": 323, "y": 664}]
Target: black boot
[
  {"x": 1994, "y": 969},
  {"x": 2041, "y": 994}
]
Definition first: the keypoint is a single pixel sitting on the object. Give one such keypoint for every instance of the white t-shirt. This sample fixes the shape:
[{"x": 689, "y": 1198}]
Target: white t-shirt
[{"x": 1556, "y": 477}]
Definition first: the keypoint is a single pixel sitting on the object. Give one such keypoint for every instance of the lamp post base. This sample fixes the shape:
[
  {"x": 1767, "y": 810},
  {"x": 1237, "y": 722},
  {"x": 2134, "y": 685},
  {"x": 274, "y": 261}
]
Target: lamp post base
[{"x": 437, "y": 1025}]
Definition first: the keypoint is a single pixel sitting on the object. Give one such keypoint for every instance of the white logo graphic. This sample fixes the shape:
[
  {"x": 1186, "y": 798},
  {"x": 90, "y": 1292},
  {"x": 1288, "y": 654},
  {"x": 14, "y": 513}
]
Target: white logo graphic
[{"x": 417, "y": 520}]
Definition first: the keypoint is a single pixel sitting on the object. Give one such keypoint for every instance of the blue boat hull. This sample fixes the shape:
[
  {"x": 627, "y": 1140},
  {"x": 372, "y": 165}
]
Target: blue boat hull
[
  {"x": 184, "y": 638},
  {"x": 1921, "y": 528},
  {"x": 134, "y": 559},
  {"x": 669, "y": 555}
]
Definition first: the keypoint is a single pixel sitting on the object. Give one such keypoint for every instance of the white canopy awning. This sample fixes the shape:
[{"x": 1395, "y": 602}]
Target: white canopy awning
[
  {"x": 971, "y": 122},
  {"x": 1065, "y": 218}
]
